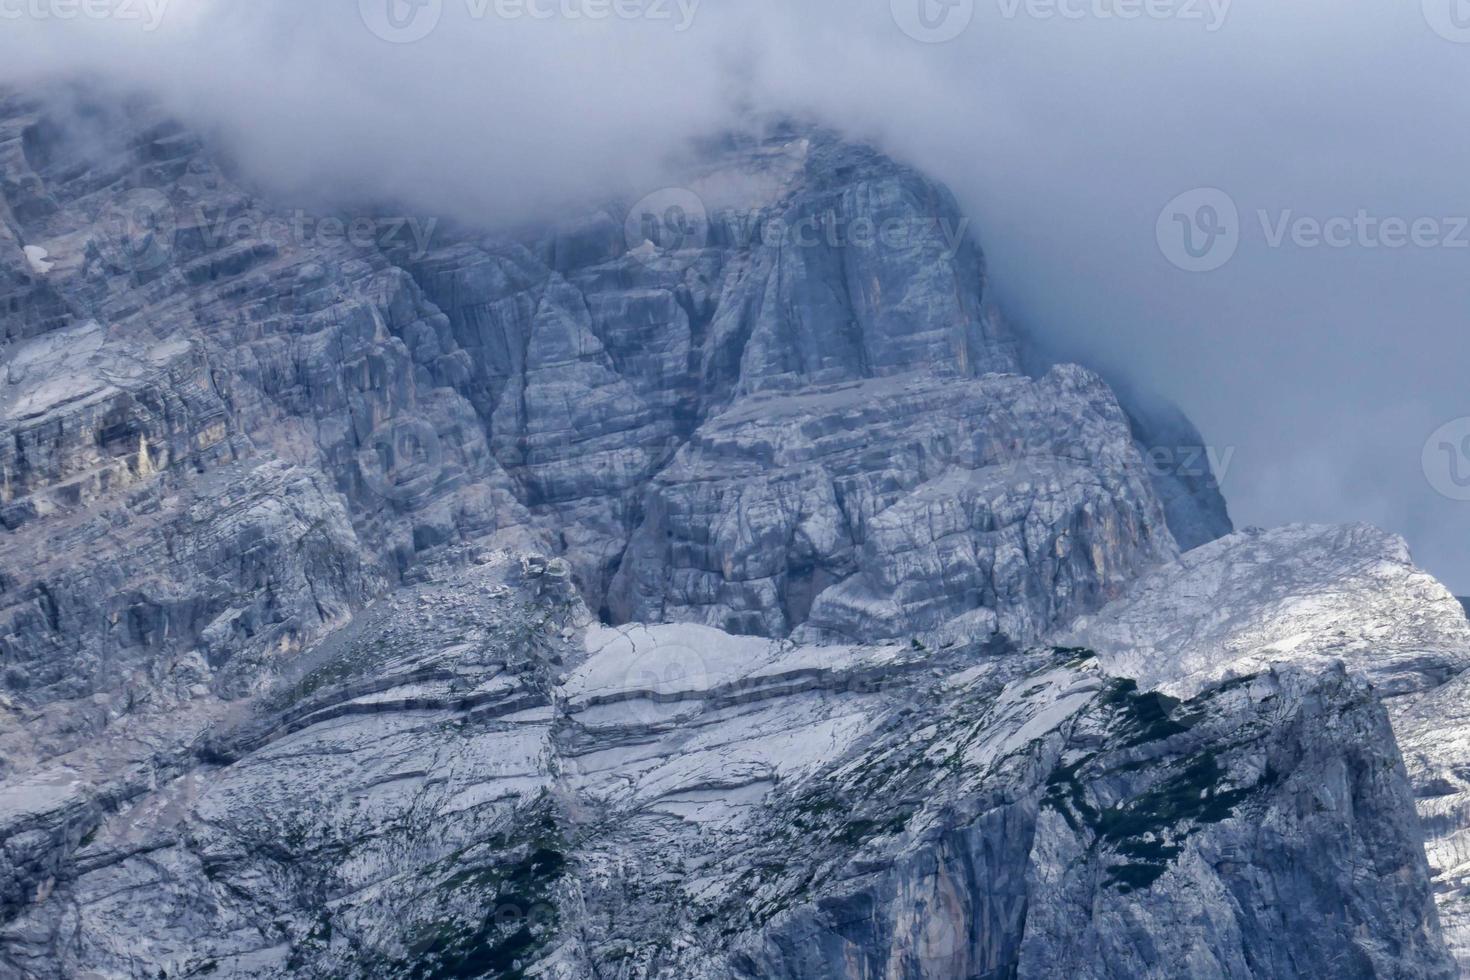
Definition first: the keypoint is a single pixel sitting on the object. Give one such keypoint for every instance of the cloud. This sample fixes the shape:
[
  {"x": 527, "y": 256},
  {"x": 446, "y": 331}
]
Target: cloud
[{"x": 1064, "y": 126}]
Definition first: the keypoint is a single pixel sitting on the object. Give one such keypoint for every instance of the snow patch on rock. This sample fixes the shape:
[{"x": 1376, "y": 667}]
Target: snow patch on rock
[{"x": 36, "y": 257}]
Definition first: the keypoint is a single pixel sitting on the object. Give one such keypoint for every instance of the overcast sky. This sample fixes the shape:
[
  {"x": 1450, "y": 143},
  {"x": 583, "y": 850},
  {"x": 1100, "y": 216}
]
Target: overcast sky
[{"x": 1319, "y": 356}]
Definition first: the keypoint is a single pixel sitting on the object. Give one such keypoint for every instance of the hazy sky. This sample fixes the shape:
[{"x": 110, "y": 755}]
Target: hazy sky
[{"x": 1319, "y": 355}]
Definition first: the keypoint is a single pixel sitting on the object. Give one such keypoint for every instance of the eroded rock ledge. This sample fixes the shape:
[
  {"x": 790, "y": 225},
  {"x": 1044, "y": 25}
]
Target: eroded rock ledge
[{"x": 474, "y": 778}]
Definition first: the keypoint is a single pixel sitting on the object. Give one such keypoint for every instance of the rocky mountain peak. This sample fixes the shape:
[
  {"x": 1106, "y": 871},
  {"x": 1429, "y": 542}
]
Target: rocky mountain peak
[{"x": 674, "y": 589}]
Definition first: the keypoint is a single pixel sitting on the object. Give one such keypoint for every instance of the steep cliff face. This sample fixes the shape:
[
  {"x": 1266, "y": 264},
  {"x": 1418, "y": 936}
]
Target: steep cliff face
[
  {"x": 227, "y": 426},
  {"x": 1116, "y": 842},
  {"x": 1313, "y": 597},
  {"x": 286, "y": 691},
  {"x": 1186, "y": 470},
  {"x": 715, "y": 428},
  {"x": 576, "y": 384},
  {"x": 877, "y": 509}
]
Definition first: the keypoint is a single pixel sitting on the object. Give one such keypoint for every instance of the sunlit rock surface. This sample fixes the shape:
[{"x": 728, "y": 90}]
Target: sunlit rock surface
[{"x": 1313, "y": 596}]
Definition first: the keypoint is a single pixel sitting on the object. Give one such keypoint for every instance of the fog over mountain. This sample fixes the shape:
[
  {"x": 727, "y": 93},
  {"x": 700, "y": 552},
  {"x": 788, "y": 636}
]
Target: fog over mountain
[
  {"x": 555, "y": 488},
  {"x": 1317, "y": 365}
]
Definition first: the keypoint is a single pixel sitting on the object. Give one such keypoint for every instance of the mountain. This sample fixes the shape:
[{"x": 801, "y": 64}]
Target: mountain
[
  {"x": 687, "y": 588},
  {"x": 1317, "y": 597}
]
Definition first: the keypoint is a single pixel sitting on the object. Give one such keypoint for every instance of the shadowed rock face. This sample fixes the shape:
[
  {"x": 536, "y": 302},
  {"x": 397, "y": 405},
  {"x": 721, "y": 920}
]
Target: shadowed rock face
[
  {"x": 1186, "y": 471},
  {"x": 285, "y": 689}
]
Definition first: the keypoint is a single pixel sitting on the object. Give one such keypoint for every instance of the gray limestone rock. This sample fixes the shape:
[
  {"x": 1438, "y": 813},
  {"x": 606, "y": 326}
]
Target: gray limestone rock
[
  {"x": 885, "y": 507},
  {"x": 288, "y": 689},
  {"x": 474, "y": 779},
  {"x": 1313, "y": 597}
]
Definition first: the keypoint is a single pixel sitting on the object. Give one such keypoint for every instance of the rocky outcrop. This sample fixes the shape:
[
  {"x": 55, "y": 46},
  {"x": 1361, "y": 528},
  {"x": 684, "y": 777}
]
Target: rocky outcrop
[
  {"x": 1120, "y": 844},
  {"x": 1024, "y": 498},
  {"x": 1305, "y": 594},
  {"x": 1313, "y": 597},
  {"x": 471, "y": 779},
  {"x": 567, "y": 391},
  {"x": 203, "y": 460},
  {"x": 284, "y": 691},
  {"x": 834, "y": 283}
]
